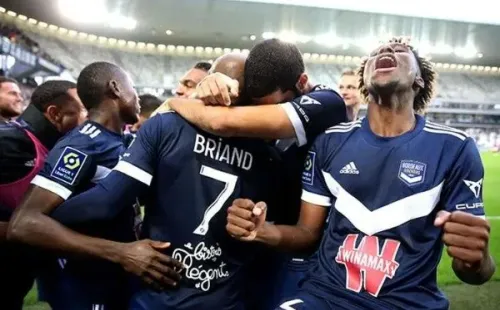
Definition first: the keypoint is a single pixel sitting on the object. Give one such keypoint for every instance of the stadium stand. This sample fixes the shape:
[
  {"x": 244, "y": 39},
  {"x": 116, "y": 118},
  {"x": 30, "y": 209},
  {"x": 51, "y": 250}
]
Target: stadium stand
[
  {"x": 466, "y": 101},
  {"x": 164, "y": 71}
]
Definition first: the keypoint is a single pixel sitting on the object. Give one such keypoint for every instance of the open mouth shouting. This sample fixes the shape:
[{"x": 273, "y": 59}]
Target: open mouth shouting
[{"x": 385, "y": 62}]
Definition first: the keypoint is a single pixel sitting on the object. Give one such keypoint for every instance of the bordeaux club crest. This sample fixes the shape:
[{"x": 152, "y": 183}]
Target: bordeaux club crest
[{"x": 412, "y": 172}]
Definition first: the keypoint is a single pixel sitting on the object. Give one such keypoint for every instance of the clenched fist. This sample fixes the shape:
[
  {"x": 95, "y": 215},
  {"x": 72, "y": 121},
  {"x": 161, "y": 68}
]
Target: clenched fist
[
  {"x": 217, "y": 89},
  {"x": 245, "y": 218},
  {"x": 465, "y": 235}
]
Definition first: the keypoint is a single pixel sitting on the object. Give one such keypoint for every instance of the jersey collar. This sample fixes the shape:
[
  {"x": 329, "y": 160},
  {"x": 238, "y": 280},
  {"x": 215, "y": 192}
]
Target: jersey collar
[
  {"x": 40, "y": 126},
  {"x": 378, "y": 141}
]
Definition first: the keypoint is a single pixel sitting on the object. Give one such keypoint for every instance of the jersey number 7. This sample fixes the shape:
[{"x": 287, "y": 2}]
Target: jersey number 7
[{"x": 230, "y": 183}]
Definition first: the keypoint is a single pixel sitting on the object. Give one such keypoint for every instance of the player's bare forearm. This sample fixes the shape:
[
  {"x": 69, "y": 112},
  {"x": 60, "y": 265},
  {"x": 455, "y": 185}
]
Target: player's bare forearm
[
  {"x": 265, "y": 121},
  {"x": 475, "y": 275},
  {"x": 31, "y": 225},
  {"x": 210, "y": 119},
  {"x": 301, "y": 237},
  {"x": 42, "y": 231},
  {"x": 289, "y": 238}
]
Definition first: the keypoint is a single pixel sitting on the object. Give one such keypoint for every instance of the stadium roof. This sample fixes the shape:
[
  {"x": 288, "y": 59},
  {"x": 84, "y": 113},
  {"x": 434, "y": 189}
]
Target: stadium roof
[{"x": 238, "y": 24}]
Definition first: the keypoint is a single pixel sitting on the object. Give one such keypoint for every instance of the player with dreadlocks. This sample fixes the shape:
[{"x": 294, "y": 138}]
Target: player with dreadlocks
[{"x": 395, "y": 188}]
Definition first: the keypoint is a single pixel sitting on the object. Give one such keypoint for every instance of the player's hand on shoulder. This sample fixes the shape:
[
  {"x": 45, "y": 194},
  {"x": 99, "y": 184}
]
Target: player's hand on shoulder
[
  {"x": 465, "y": 235},
  {"x": 245, "y": 218},
  {"x": 144, "y": 259},
  {"x": 217, "y": 89}
]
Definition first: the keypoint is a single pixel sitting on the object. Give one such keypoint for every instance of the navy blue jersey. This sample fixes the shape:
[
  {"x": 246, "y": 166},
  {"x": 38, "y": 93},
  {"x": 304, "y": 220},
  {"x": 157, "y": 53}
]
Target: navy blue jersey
[
  {"x": 80, "y": 159},
  {"x": 311, "y": 115},
  {"x": 193, "y": 178},
  {"x": 77, "y": 162},
  {"x": 381, "y": 248}
]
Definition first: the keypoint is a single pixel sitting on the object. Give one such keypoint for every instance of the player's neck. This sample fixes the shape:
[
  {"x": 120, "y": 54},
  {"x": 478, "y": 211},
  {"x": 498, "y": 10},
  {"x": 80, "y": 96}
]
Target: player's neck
[
  {"x": 110, "y": 120},
  {"x": 389, "y": 122}
]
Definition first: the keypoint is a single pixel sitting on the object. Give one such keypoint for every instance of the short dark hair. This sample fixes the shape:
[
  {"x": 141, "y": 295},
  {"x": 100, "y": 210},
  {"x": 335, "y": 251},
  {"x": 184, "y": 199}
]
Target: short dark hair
[
  {"x": 51, "y": 92},
  {"x": 203, "y": 65},
  {"x": 4, "y": 79},
  {"x": 429, "y": 76},
  {"x": 271, "y": 65},
  {"x": 93, "y": 82},
  {"x": 149, "y": 104}
]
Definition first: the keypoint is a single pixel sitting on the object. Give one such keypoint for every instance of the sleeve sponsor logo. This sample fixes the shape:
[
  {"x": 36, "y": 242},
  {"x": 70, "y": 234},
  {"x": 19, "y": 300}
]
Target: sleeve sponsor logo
[
  {"x": 69, "y": 165},
  {"x": 308, "y": 173},
  {"x": 475, "y": 187}
]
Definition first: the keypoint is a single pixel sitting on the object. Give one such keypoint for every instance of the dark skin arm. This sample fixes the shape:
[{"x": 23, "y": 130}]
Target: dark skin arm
[
  {"x": 30, "y": 224},
  {"x": 466, "y": 238},
  {"x": 475, "y": 274},
  {"x": 264, "y": 121},
  {"x": 247, "y": 223}
]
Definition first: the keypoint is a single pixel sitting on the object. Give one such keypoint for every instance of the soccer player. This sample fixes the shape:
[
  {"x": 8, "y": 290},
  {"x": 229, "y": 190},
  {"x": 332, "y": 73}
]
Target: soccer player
[
  {"x": 187, "y": 84},
  {"x": 274, "y": 73},
  {"x": 394, "y": 200},
  {"x": 190, "y": 177},
  {"x": 149, "y": 104},
  {"x": 54, "y": 109},
  {"x": 78, "y": 161},
  {"x": 11, "y": 99},
  {"x": 349, "y": 90}
]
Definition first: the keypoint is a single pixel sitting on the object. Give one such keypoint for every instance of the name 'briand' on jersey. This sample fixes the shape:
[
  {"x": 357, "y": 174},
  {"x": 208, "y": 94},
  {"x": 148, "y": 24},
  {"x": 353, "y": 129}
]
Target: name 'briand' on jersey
[
  {"x": 190, "y": 178},
  {"x": 193, "y": 178}
]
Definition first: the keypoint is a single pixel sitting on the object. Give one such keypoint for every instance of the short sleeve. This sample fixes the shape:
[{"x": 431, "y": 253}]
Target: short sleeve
[
  {"x": 313, "y": 113},
  {"x": 65, "y": 169},
  {"x": 463, "y": 190},
  {"x": 140, "y": 159},
  {"x": 314, "y": 188}
]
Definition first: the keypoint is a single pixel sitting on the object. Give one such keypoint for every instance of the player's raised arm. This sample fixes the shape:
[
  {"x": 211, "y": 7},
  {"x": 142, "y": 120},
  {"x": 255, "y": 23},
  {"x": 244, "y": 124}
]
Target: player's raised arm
[
  {"x": 302, "y": 118},
  {"x": 466, "y": 231},
  {"x": 246, "y": 220}
]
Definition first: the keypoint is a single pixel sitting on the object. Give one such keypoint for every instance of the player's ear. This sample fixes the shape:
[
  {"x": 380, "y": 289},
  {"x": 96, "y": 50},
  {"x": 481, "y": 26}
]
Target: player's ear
[
  {"x": 419, "y": 82},
  {"x": 114, "y": 88},
  {"x": 302, "y": 83},
  {"x": 53, "y": 114}
]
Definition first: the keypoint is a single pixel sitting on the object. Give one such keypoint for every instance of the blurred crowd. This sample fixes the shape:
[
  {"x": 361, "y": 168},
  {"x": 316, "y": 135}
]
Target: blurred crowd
[
  {"x": 174, "y": 68},
  {"x": 16, "y": 36}
]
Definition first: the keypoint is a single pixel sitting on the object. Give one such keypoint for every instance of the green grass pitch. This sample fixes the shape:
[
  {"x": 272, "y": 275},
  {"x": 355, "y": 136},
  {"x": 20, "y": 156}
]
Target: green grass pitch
[{"x": 462, "y": 297}]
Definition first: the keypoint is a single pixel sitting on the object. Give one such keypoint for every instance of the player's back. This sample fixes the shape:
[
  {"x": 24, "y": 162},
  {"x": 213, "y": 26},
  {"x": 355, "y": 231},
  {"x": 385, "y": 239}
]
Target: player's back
[
  {"x": 196, "y": 178},
  {"x": 77, "y": 162},
  {"x": 381, "y": 249}
]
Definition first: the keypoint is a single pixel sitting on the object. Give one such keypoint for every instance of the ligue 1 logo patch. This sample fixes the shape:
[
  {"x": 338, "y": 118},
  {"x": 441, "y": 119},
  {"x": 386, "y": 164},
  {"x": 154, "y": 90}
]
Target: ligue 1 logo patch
[
  {"x": 69, "y": 165},
  {"x": 308, "y": 173},
  {"x": 412, "y": 172}
]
